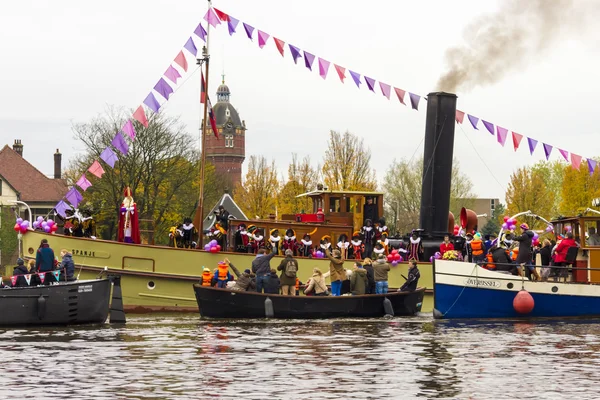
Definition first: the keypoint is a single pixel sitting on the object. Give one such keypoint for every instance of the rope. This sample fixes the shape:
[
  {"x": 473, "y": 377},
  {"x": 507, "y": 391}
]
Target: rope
[{"x": 461, "y": 292}]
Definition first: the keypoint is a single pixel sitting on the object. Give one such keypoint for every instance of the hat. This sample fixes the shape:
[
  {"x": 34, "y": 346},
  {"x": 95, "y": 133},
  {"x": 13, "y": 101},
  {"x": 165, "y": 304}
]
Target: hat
[
  {"x": 205, "y": 269},
  {"x": 326, "y": 237},
  {"x": 524, "y": 226},
  {"x": 381, "y": 257},
  {"x": 20, "y": 261},
  {"x": 274, "y": 231},
  {"x": 336, "y": 254},
  {"x": 469, "y": 234},
  {"x": 356, "y": 234},
  {"x": 246, "y": 271},
  {"x": 289, "y": 253}
]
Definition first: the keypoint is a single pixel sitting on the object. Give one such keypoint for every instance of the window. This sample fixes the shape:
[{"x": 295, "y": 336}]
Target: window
[
  {"x": 492, "y": 206},
  {"x": 229, "y": 140}
]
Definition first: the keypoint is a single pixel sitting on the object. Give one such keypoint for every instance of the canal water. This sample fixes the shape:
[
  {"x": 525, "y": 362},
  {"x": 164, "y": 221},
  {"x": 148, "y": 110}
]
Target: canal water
[{"x": 180, "y": 357}]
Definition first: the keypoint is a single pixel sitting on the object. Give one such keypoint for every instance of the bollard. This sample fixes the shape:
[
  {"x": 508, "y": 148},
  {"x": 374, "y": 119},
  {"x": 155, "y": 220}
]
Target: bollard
[
  {"x": 41, "y": 311},
  {"x": 269, "y": 313},
  {"x": 117, "y": 315},
  {"x": 387, "y": 307}
]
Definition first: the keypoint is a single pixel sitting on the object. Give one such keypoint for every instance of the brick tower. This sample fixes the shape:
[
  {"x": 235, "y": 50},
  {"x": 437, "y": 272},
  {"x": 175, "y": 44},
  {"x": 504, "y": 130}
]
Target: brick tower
[{"x": 228, "y": 152}]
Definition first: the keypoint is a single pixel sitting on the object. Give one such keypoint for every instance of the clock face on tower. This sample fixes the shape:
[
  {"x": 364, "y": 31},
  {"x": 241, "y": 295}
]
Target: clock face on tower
[{"x": 229, "y": 125}]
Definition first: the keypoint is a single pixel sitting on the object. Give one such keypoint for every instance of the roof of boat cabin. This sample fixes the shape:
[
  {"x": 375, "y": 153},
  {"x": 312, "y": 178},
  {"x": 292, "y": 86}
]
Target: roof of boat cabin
[
  {"x": 235, "y": 212},
  {"x": 348, "y": 192}
]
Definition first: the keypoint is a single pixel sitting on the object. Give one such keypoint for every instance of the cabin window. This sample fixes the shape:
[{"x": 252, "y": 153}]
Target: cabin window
[
  {"x": 334, "y": 204},
  {"x": 592, "y": 237}
]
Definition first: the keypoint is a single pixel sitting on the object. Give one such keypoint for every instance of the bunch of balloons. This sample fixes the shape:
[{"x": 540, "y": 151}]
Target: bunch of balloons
[
  {"x": 318, "y": 254},
  {"x": 21, "y": 226},
  {"x": 212, "y": 246},
  {"x": 536, "y": 239},
  {"x": 456, "y": 230},
  {"x": 47, "y": 226},
  {"x": 549, "y": 228},
  {"x": 436, "y": 256},
  {"x": 510, "y": 224},
  {"x": 394, "y": 257}
]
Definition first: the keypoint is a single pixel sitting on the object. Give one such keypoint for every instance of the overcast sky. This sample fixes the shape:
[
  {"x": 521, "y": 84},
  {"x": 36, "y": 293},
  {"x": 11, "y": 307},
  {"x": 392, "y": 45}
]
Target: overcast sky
[{"x": 65, "y": 61}]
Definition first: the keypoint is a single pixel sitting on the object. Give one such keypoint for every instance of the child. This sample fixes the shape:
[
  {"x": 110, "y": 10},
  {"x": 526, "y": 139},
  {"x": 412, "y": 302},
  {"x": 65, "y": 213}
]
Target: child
[{"x": 222, "y": 275}]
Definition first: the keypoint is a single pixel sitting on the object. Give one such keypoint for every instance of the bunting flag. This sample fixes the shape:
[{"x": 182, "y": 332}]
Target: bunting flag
[
  {"x": 591, "y": 165},
  {"x": 74, "y": 197},
  {"x": 280, "y": 45},
  {"x": 323, "y": 67},
  {"x": 575, "y": 161},
  {"x": 211, "y": 118},
  {"x": 61, "y": 208},
  {"x": 414, "y": 100},
  {"x": 191, "y": 46},
  {"x": 341, "y": 71},
  {"x": 262, "y": 38},
  {"x": 400, "y": 93},
  {"x": 295, "y": 53},
  {"x": 211, "y": 17},
  {"x": 140, "y": 116},
  {"x": 516, "y": 140},
  {"x": 83, "y": 183},
  {"x": 565, "y": 154},
  {"x": 109, "y": 157},
  {"x": 473, "y": 120},
  {"x": 181, "y": 61},
  {"x": 356, "y": 77},
  {"x": 163, "y": 88},
  {"x": 172, "y": 74},
  {"x": 370, "y": 83},
  {"x": 249, "y": 30},
  {"x": 120, "y": 144},
  {"x": 13, "y": 280},
  {"x": 308, "y": 60},
  {"x": 200, "y": 32},
  {"x": 232, "y": 25},
  {"x": 202, "y": 88},
  {"x": 547, "y": 150},
  {"x": 532, "y": 143},
  {"x": 501, "y": 133},
  {"x": 96, "y": 169},
  {"x": 151, "y": 102},
  {"x": 489, "y": 126},
  {"x": 42, "y": 276},
  {"x": 129, "y": 129},
  {"x": 459, "y": 117},
  {"x": 56, "y": 274},
  {"x": 28, "y": 279},
  {"x": 222, "y": 16},
  {"x": 385, "y": 89}
]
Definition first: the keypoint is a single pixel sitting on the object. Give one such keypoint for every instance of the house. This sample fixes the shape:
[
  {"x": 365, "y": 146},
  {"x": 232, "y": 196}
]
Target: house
[{"x": 235, "y": 212}]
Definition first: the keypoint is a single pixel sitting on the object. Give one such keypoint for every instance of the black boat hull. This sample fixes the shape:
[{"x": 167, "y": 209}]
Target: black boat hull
[
  {"x": 224, "y": 303},
  {"x": 66, "y": 303}
]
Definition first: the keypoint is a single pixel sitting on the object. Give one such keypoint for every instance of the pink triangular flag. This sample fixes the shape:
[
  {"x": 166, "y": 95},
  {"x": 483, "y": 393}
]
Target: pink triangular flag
[
  {"x": 262, "y": 38},
  {"x": 460, "y": 116},
  {"x": 280, "y": 45},
  {"x": 83, "y": 183},
  {"x": 181, "y": 61},
  {"x": 323, "y": 67},
  {"x": 140, "y": 116},
  {"x": 385, "y": 89},
  {"x": 400, "y": 93},
  {"x": 575, "y": 161},
  {"x": 341, "y": 71},
  {"x": 13, "y": 280},
  {"x": 501, "y": 133},
  {"x": 129, "y": 129},
  {"x": 565, "y": 154},
  {"x": 96, "y": 169},
  {"x": 212, "y": 18},
  {"x": 516, "y": 140},
  {"x": 172, "y": 74}
]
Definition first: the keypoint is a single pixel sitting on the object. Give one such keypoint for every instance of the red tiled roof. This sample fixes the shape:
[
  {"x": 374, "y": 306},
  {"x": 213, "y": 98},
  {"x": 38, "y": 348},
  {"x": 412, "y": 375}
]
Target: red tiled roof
[{"x": 32, "y": 185}]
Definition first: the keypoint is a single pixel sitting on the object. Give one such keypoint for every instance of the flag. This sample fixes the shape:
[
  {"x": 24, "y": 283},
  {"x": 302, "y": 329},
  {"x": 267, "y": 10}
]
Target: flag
[
  {"x": 163, "y": 88},
  {"x": 262, "y": 38},
  {"x": 460, "y": 116},
  {"x": 308, "y": 60},
  {"x": 28, "y": 278},
  {"x": 120, "y": 144},
  {"x": 181, "y": 61},
  {"x": 129, "y": 129},
  {"x": 400, "y": 93},
  {"x": 489, "y": 126},
  {"x": 232, "y": 25},
  {"x": 473, "y": 120},
  {"x": 516, "y": 140},
  {"x": 151, "y": 102},
  {"x": 74, "y": 197},
  {"x": 565, "y": 154},
  {"x": 83, "y": 183},
  {"x": 202, "y": 88},
  {"x": 341, "y": 71},
  {"x": 61, "y": 207},
  {"x": 42, "y": 276},
  {"x": 96, "y": 169},
  {"x": 370, "y": 83},
  {"x": 211, "y": 118},
  {"x": 323, "y": 67},
  {"x": 172, "y": 74},
  {"x": 575, "y": 161},
  {"x": 200, "y": 32},
  {"x": 56, "y": 274},
  {"x": 385, "y": 89},
  {"x": 191, "y": 46},
  {"x": 279, "y": 44},
  {"x": 13, "y": 280},
  {"x": 109, "y": 157},
  {"x": 211, "y": 18},
  {"x": 414, "y": 100},
  {"x": 501, "y": 134},
  {"x": 140, "y": 116},
  {"x": 356, "y": 78}
]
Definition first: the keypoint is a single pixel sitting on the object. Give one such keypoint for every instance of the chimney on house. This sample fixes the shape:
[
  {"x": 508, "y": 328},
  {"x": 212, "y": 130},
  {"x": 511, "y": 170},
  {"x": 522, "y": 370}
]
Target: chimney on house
[
  {"x": 18, "y": 147},
  {"x": 57, "y": 164}
]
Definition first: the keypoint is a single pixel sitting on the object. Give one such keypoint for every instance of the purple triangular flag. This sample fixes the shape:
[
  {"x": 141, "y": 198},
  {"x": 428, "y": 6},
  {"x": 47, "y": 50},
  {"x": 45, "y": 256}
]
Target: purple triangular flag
[
  {"x": 532, "y": 144},
  {"x": 323, "y": 67},
  {"x": 414, "y": 100},
  {"x": 109, "y": 157},
  {"x": 502, "y": 132},
  {"x": 163, "y": 88},
  {"x": 211, "y": 17},
  {"x": 308, "y": 60},
  {"x": 120, "y": 144},
  {"x": 232, "y": 25},
  {"x": 565, "y": 154},
  {"x": 61, "y": 208},
  {"x": 262, "y": 38},
  {"x": 547, "y": 150},
  {"x": 370, "y": 83},
  {"x": 385, "y": 89},
  {"x": 356, "y": 77},
  {"x": 191, "y": 46},
  {"x": 172, "y": 74},
  {"x": 83, "y": 183},
  {"x": 473, "y": 120},
  {"x": 249, "y": 30},
  {"x": 129, "y": 129},
  {"x": 489, "y": 126},
  {"x": 151, "y": 102},
  {"x": 295, "y": 53},
  {"x": 74, "y": 197},
  {"x": 200, "y": 32},
  {"x": 591, "y": 165}
]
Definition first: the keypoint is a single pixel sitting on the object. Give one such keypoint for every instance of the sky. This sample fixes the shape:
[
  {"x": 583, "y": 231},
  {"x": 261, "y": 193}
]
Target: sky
[{"x": 67, "y": 62}]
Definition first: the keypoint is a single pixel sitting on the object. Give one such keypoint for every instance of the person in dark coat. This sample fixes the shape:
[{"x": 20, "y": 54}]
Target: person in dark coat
[
  {"x": 19, "y": 271},
  {"x": 358, "y": 280},
  {"x": 413, "y": 277},
  {"x": 244, "y": 281},
  {"x": 370, "y": 211},
  {"x": 67, "y": 265},
  {"x": 525, "y": 254},
  {"x": 44, "y": 260},
  {"x": 502, "y": 260},
  {"x": 546, "y": 257},
  {"x": 261, "y": 266},
  {"x": 368, "y": 266},
  {"x": 289, "y": 272},
  {"x": 272, "y": 285}
]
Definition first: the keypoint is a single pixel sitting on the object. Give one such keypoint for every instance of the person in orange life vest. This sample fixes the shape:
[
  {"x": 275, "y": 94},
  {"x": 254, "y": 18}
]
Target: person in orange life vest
[
  {"x": 222, "y": 276},
  {"x": 446, "y": 245},
  {"x": 207, "y": 277},
  {"x": 477, "y": 247}
]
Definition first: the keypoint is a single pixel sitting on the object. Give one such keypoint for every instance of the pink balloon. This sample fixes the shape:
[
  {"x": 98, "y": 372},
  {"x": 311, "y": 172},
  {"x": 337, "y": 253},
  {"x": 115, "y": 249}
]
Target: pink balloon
[
  {"x": 394, "y": 263},
  {"x": 47, "y": 229},
  {"x": 214, "y": 249}
]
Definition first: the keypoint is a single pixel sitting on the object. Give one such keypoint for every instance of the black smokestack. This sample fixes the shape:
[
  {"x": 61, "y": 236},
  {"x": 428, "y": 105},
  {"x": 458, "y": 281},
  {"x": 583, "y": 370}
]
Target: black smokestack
[
  {"x": 57, "y": 164},
  {"x": 437, "y": 163}
]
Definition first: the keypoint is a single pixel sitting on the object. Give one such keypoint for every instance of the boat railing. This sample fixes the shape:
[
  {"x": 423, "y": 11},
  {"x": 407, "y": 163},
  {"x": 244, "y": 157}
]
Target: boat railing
[{"x": 484, "y": 263}]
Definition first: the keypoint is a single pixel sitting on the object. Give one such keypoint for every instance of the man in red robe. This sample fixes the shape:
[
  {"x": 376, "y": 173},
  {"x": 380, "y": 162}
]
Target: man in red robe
[{"x": 129, "y": 228}]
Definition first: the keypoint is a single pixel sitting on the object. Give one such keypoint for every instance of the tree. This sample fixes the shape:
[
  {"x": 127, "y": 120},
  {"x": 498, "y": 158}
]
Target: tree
[
  {"x": 347, "y": 163},
  {"x": 578, "y": 189},
  {"x": 8, "y": 238},
  {"x": 553, "y": 173},
  {"x": 402, "y": 185},
  {"x": 527, "y": 190},
  {"x": 302, "y": 177},
  {"x": 257, "y": 195},
  {"x": 495, "y": 222}
]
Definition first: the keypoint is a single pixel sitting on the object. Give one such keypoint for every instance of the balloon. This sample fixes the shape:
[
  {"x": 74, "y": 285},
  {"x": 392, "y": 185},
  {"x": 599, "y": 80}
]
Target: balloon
[
  {"x": 505, "y": 226},
  {"x": 50, "y": 223},
  {"x": 456, "y": 226},
  {"x": 44, "y": 224},
  {"x": 431, "y": 259},
  {"x": 40, "y": 218},
  {"x": 536, "y": 242},
  {"x": 218, "y": 248},
  {"x": 568, "y": 228},
  {"x": 394, "y": 251},
  {"x": 35, "y": 224},
  {"x": 535, "y": 235},
  {"x": 390, "y": 257},
  {"x": 455, "y": 231},
  {"x": 512, "y": 221},
  {"x": 549, "y": 228},
  {"x": 23, "y": 228},
  {"x": 54, "y": 228},
  {"x": 512, "y": 227},
  {"x": 214, "y": 242},
  {"x": 213, "y": 249},
  {"x": 17, "y": 228},
  {"x": 207, "y": 247},
  {"x": 437, "y": 255},
  {"x": 47, "y": 229},
  {"x": 394, "y": 263},
  {"x": 319, "y": 253},
  {"x": 401, "y": 259},
  {"x": 396, "y": 257},
  {"x": 19, "y": 221},
  {"x": 26, "y": 223}
]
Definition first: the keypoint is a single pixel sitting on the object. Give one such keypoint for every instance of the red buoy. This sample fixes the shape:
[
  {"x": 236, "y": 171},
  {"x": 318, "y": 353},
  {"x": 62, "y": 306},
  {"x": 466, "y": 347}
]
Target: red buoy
[{"x": 523, "y": 302}]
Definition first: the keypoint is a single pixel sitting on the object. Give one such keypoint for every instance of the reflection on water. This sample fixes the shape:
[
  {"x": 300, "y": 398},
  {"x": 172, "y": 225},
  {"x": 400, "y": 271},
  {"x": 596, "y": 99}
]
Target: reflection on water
[{"x": 174, "y": 356}]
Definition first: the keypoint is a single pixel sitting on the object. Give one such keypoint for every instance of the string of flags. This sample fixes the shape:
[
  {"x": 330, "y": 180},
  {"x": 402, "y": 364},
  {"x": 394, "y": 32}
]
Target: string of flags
[{"x": 27, "y": 277}]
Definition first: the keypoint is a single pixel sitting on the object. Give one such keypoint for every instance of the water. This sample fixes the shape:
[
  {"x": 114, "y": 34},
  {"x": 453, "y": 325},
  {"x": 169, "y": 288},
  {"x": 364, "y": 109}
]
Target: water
[{"x": 179, "y": 356}]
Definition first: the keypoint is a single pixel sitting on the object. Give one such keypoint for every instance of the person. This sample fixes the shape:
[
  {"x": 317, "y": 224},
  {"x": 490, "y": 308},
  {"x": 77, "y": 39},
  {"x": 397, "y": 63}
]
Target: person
[
  {"x": 413, "y": 277},
  {"x": 325, "y": 244},
  {"x": 207, "y": 277},
  {"x": 357, "y": 246},
  {"x": 258, "y": 239},
  {"x": 274, "y": 241},
  {"x": 19, "y": 271},
  {"x": 345, "y": 289},
  {"x": 502, "y": 260},
  {"x": 593, "y": 238},
  {"x": 129, "y": 229},
  {"x": 381, "y": 269},
  {"x": 546, "y": 257},
  {"x": 290, "y": 242},
  {"x": 187, "y": 232},
  {"x": 368, "y": 235},
  {"x": 524, "y": 257},
  {"x": 415, "y": 249},
  {"x": 370, "y": 211},
  {"x": 358, "y": 280},
  {"x": 244, "y": 281},
  {"x": 446, "y": 245},
  {"x": 560, "y": 254},
  {"x": 378, "y": 250},
  {"x": 261, "y": 266},
  {"x": 316, "y": 286},
  {"x": 272, "y": 285},
  {"x": 305, "y": 246},
  {"x": 289, "y": 272},
  {"x": 343, "y": 245},
  {"x": 67, "y": 265},
  {"x": 222, "y": 275},
  {"x": 44, "y": 259},
  {"x": 477, "y": 249},
  {"x": 385, "y": 243},
  {"x": 337, "y": 273},
  {"x": 222, "y": 225},
  {"x": 241, "y": 239},
  {"x": 467, "y": 249}
]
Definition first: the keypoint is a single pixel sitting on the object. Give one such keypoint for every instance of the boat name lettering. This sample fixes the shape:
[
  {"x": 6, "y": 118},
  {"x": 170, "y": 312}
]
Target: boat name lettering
[
  {"x": 480, "y": 282},
  {"x": 85, "y": 288},
  {"x": 84, "y": 253}
]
